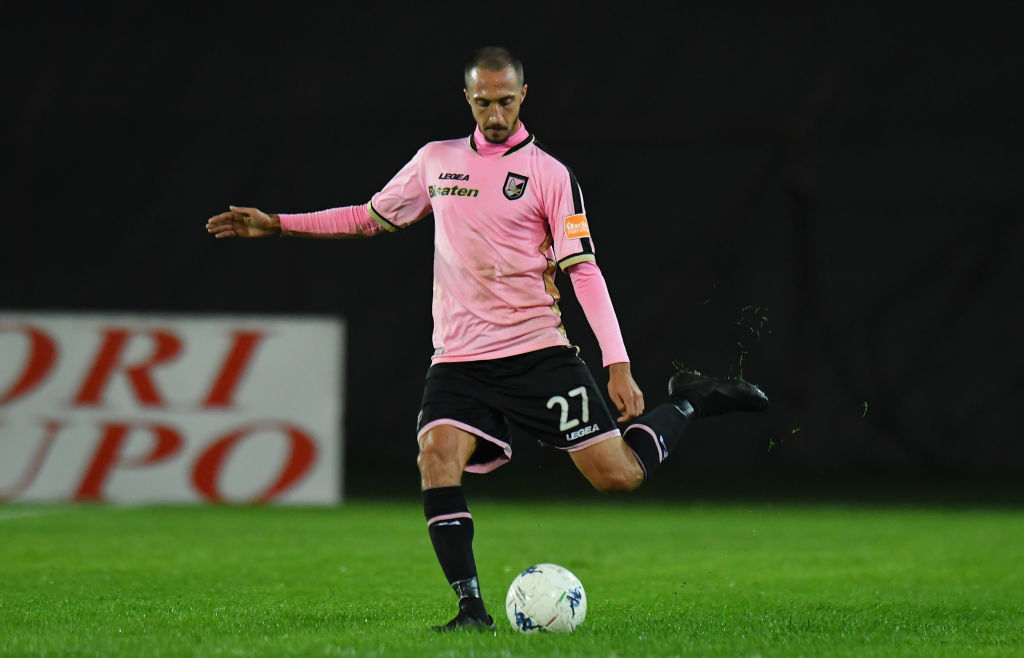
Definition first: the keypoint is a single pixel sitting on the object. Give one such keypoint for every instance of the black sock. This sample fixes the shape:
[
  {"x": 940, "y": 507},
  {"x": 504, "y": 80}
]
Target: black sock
[
  {"x": 451, "y": 532},
  {"x": 653, "y": 435}
]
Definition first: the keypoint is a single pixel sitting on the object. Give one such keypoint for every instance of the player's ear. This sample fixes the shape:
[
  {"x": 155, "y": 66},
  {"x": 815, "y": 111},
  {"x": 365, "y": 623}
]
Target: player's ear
[
  {"x": 466, "y": 93},
  {"x": 524, "y": 92}
]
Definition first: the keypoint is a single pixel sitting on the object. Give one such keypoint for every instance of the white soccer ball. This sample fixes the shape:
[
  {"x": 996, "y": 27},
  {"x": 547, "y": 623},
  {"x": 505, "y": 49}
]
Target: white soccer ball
[{"x": 546, "y": 597}]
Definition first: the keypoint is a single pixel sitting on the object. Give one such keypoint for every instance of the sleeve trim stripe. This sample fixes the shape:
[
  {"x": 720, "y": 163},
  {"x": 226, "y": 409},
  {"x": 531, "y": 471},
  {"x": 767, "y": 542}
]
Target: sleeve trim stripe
[
  {"x": 569, "y": 261},
  {"x": 377, "y": 217}
]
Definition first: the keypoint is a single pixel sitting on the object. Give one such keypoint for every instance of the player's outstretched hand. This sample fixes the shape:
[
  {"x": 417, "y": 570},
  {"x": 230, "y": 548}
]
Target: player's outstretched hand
[
  {"x": 243, "y": 223},
  {"x": 626, "y": 395}
]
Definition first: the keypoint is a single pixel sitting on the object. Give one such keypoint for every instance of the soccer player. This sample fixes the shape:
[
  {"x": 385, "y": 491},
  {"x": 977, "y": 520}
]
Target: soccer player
[{"x": 507, "y": 215}]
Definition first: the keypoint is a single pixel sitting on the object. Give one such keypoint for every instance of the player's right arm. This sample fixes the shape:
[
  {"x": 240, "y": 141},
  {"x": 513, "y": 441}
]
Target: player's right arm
[
  {"x": 344, "y": 222},
  {"x": 403, "y": 201},
  {"x": 243, "y": 223}
]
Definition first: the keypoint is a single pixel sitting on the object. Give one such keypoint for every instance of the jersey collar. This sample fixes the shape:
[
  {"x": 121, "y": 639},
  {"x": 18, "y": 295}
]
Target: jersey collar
[{"x": 518, "y": 139}]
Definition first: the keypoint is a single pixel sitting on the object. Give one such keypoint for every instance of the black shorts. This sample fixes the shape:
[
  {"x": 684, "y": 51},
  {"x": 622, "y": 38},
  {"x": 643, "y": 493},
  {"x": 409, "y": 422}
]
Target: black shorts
[{"x": 549, "y": 395}]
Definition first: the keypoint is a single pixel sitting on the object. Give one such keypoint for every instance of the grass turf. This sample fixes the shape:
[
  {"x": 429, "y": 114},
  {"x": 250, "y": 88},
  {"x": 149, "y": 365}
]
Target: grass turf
[{"x": 661, "y": 580}]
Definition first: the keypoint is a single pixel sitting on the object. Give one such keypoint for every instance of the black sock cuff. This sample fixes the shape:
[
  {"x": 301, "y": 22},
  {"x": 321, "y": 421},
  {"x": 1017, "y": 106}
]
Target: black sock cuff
[
  {"x": 655, "y": 434},
  {"x": 442, "y": 503}
]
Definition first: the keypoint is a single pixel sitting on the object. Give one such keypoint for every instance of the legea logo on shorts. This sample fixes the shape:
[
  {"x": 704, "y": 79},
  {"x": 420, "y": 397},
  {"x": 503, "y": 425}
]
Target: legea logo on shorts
[
  {"x": 582, "y": 432},
  {"x": 576, "y": 227}
]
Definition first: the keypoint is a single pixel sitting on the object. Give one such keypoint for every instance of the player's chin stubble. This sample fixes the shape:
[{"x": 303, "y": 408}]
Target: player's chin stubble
[{"x": 496, "y": 134}]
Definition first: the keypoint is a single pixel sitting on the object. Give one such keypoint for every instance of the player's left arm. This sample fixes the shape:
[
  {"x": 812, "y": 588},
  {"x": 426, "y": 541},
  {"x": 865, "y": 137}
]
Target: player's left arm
[
  {"x": 592, "y": 294},
  {"x": 562, "y": 201}
]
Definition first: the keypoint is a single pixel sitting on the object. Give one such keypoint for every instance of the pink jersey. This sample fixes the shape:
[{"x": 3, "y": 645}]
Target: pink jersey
[{"x": 505, "y": 215}]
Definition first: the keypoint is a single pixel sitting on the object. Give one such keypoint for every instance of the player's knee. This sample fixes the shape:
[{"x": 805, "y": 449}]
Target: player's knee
[
  {"x": 431, "y": 457},
  {"x": 437, "y": 456}
]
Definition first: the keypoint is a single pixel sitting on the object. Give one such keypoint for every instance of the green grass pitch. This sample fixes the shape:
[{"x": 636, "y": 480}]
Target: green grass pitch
[{"x": 661, "y": 580}]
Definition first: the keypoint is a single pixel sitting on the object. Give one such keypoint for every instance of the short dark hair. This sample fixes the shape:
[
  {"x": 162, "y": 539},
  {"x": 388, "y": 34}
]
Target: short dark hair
[{"x": 493, "y": 58}]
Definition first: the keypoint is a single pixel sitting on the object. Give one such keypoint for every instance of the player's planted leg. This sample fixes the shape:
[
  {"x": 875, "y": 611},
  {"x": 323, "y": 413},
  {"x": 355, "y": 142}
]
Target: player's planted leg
[
  {"x": 451, "y": 532},
  {"x": 444, "y": 452}
]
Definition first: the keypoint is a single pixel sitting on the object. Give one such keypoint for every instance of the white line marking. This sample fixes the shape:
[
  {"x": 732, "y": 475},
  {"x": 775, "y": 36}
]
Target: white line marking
[{"x": 21, "y": 514}]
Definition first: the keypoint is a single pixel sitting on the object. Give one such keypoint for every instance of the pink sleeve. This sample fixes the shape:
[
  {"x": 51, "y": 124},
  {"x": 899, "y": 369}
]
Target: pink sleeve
[
  {"x": 592, "y": 294},
  {"x": 344, "y": 222},
  {"x": 406, "y": 198}
]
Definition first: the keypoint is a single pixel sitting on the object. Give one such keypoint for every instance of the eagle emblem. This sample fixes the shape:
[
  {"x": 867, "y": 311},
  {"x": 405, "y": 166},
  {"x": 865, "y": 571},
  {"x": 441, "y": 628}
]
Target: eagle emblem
[{"x": 515, "y": 186}]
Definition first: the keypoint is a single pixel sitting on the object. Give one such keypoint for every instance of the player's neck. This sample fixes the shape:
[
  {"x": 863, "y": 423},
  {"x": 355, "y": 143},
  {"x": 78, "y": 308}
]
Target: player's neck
[{"x": 488, "y": 149}]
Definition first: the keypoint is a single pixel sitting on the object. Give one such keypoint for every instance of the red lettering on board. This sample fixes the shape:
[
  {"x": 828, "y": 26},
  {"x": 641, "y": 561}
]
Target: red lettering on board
[
  {"x": 41, "y": 357},
  {"x": 108, "y": 456},
  {"x": 243, "y": 346},
  {"x": 210, "y": 463},
  {"x": 108, "y": 361}
]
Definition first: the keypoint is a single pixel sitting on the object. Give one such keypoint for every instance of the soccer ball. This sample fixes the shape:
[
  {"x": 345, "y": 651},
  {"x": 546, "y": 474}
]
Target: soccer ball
[{"x": 546, "y": 597}]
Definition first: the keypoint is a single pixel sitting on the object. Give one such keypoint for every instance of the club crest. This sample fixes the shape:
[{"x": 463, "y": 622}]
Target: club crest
[{"x": 515, "y": 186}]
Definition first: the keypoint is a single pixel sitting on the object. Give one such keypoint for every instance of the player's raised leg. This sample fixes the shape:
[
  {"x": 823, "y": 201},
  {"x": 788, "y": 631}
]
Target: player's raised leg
[
  {"x": 444, "y": 452},
  {"x": 623, "y": 464}
]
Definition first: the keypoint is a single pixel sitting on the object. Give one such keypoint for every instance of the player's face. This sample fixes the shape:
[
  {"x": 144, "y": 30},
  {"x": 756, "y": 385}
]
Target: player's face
[{"x": 495, "y": 98}]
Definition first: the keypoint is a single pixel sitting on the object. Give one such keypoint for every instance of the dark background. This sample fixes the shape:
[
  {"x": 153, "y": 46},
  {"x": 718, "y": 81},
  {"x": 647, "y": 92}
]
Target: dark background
[{"x": 824, "y": 199}]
